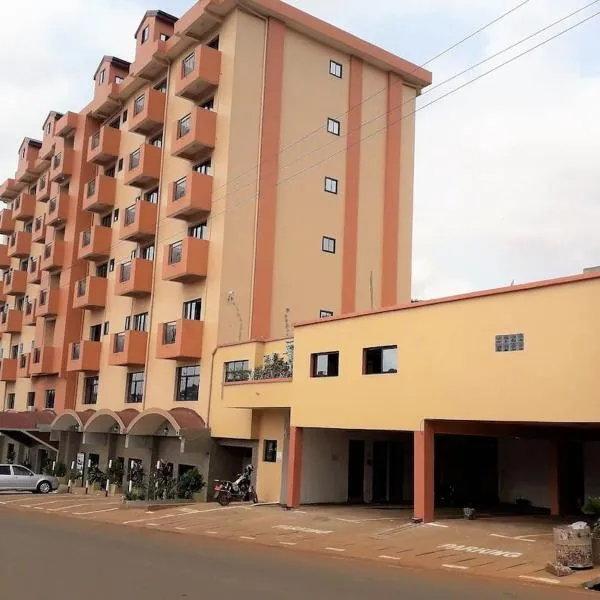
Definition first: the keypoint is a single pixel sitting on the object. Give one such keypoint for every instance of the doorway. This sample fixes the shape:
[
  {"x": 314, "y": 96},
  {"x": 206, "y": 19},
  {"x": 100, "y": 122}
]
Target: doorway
[
  {"x": 356, "y": 471},
  {"x": 571, "y": 471},
  {"x": 380, "y": 472}
]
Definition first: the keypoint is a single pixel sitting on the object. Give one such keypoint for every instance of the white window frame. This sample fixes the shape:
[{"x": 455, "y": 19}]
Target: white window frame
[
  {"x": 334, "y": 126},
  {"x": 331, "y": 185},
  {"x": 336, "y": 69},
  {"x": 328, "y": 244}
]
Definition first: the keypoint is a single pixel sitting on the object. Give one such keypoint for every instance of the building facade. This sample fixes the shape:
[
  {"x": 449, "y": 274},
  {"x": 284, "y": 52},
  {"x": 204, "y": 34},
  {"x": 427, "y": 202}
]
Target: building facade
[{"x": 251, "y": 167}]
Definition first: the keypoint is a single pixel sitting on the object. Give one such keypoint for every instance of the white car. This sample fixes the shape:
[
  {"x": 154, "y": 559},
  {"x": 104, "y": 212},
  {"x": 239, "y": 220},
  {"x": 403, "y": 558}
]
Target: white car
[{"x": 21, "y": 479}]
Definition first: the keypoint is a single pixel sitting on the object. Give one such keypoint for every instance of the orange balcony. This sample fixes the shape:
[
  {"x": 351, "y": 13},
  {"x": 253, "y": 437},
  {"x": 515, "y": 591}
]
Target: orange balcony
[
  {"x": 139, "y": 222},
  {"x": 62, "y": 165},
  {"x": 147, "y": 112},
  {"x": 34, "y": 270},
  {"x": 90, "y": 293},
  {"x": 41, "y": 164},
  {"x": 23, "y": 207},
  {"x": 9, "y": 189},
  {"x": 84, "y": 356},
  {"x": 19, "y": 244},
  {"x": 190, "y": 198},
  {"x": 180, "y": 340},
  {"x": 100, "y": 194},
  {"x": 143, "y": 167},
  {"x": 151, "y": 60},
  {"x": 7, "y": 222},
  {"x": 15, "y": 283},
  {"x": 39, "y": 230},
  {"x": 197, "y": 75},
  {"x": 134, "y": 278},
  {"x": 94, "y": 244},
  {"x": 66, "y": 125},
  {"x": 185, "y": 261},
  {"x": 194, "y": 135},
  {"x": 48, "y": 303},
  {"x": 53, "y": 257},
  {"x": 43, "y": 189},
  {"x": 104, "y": 145},
  {"x": 58, "y": 210},
  {"x": 23, "y": 366},
  {"x": 27, "y": 172},
  {"x": 2, "y": 294},
  {"x": 106, "y": 101},
  {"x": 4, "y": 258},
  {"x": 11, "y": 321},
  {"x": 29, "y": 317},
  {"x": 8, "y": 369},
  {"x": 128, "y": 349},
  {"x": 42, "y": 362}
]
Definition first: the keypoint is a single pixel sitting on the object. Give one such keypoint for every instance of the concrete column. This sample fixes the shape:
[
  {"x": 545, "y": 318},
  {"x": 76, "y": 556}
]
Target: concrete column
[
  {"x": 294, "y": 475},
  {"x": 424, "y": 494},
  {"x": 554, "y": 483}
]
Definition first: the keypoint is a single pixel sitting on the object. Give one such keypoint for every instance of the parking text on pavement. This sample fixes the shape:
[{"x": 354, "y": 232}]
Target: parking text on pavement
[
  {"x": 302, "y": 529},
  {"x": 477, "y": 550}
]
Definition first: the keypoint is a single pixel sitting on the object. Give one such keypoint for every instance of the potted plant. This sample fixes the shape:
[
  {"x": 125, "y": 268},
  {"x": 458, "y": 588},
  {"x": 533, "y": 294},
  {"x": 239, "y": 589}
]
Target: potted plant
[
  {"x": 114, "y": 475},
  {"x": 96, "y": 478},
  {"x": 592, "y": 508},
  {"x": 190, "y": 485},
  {"x": 60, "y": 472}
]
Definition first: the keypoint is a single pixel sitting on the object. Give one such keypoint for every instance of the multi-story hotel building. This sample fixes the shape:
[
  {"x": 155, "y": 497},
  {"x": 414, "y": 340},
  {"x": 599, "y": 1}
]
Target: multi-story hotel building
[{"x": 251, "y": 168}]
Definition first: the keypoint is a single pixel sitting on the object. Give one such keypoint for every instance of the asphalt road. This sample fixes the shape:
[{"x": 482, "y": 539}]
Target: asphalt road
[{"x": 64, "y": 559}]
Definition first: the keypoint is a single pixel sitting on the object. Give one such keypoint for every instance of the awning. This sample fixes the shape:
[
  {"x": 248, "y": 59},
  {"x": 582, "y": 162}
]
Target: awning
[
  {"x": 69, "y": 420},
  {"x": 109, "y": 421},
  {"x": 177, "y": 422},
  {"x": 29, "y": 428}
]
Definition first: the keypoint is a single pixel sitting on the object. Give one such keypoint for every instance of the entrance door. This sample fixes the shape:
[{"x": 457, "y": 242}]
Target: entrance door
[
  {"x": 356, "y": 471},
  {"x": 571, "y": 478},
  {"x": 380, "y": 472}
]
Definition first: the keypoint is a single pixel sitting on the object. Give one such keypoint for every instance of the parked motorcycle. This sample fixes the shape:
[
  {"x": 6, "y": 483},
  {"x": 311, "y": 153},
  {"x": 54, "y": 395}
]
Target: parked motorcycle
[{"x": 241, "y": 489}]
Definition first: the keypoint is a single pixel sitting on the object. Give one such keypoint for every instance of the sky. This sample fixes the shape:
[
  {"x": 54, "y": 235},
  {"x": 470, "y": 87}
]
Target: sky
[{"x": 507, "y": 181}]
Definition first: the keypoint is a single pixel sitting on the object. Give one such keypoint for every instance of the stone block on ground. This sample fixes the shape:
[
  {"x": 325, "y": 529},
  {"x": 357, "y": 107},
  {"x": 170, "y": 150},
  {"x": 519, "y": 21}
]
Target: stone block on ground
[{"x": 558, "y": 570}]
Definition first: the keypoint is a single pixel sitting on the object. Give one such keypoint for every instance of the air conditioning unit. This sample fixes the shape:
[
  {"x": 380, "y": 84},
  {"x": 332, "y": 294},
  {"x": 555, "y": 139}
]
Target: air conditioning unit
[{"x": 31, "y": 409}]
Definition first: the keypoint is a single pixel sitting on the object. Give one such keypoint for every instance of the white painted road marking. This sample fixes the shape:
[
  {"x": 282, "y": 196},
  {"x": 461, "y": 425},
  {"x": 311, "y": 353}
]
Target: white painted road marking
[
  {"x": 335, "y": 549},
  {"x": 542, "y": 579},
  {"x": 93, "y": 512},
  {"x": 386, "y": 557},
  {"x": 181, "y": 528},
  {"x": 142, "y": 520},
  {"x": 246, "y": 537},
  {"x": 436, "y": 525},
  {"x": 67, "y": 507},
  {"x": 460, "y": 567},
  {"x": 519, "y": 538},
  {"x": 14, "y": 500},
  {"x": 41, "y": 504},
  {"x": 288, "y": 543},
  {"x": 303, "y": 529},
  {"x": 211, "y": 532},
  {"x": 477, "y": 550}
]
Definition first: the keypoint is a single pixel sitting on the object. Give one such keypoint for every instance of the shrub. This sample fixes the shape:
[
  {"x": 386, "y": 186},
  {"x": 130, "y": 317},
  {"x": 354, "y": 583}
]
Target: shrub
[{"x": 190, "y": 483}]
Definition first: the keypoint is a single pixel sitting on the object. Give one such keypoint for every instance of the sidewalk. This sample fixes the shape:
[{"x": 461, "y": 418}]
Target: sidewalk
[{"x": 515, "y": 548}]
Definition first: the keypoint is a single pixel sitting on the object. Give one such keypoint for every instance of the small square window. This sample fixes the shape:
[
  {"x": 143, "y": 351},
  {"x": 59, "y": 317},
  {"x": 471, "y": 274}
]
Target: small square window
[
  {"x": 106, "y": 328},
  {"x": 380, "y": 360},
  {"x": 115, "y": 215},
  {"x": 145, "y": 34},
  {"x": 120, "y": 165},
  {"x": 164, "y": 37},
  {"x": 324, "y": 314},
  {"x": 331, "y": 185},
  {"x": 325, "y": 364},
  {"x": 118, "y": 79},
  {"x": 111, "y": 265},
  {"x": 124, "y": 117},
  {"x": 333, "y": 126},
  {"x": 101, "y": 77},
  {"x": 335, "y": 69},
  {"x": 270, "y": 451},
  {"x": 328, "y": 245}
]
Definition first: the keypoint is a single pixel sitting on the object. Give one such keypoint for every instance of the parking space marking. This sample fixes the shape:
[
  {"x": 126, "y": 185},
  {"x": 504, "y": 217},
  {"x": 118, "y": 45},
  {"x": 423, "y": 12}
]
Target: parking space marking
[
  {"x": 335, "y": 549},
  {"x": 437, "y": 525},
  {"x": 288, "y": 543},
  {"x": 67, "y": 507},
  {"x": 93, "y": 512},
  {"x": 181, "y": 528},
  {"x": 143, "y": 520},
  {"x": 540, "y": 579},
  {"x": 246, "y": 537},
  {"x": 303, "y": 529},
  {"x": 41, "y": 504},
  {"x": 518, "y": 538},
  {"x": 211, "y": 532},
  {"x": 459, "y": 567},
  {"x": 387, "y": 557},
  {"x": 24, "y": 497}
]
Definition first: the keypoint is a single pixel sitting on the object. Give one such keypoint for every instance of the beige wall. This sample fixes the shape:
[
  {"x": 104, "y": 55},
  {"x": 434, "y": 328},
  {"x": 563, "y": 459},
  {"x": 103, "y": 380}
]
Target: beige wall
[{"x": 270, "y": 425}]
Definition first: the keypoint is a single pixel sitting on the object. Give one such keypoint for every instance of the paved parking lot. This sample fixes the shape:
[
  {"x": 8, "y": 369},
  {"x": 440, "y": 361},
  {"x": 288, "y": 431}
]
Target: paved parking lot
[{"x": 515, "y": 548}]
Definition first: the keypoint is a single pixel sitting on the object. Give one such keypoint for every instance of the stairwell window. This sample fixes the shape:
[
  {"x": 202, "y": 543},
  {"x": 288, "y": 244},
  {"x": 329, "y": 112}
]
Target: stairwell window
[
  {"x": 328, "y": 245},
  {"x": 49, "y": 399},
  {"x": 188, "y": 383},
  {"x": 184, "y": 126},
  {"x": 325, "y": 364},
  {"x": 270, "y": 451},
  {"x": 514, "y": 342},
  {"x": 377, "y": 361},
  {"x": 192, "y": 310},
  {"x": 335, "y": 69},
  {"x": 333, "y": 126},
  {"x": 331, "y": 185}
]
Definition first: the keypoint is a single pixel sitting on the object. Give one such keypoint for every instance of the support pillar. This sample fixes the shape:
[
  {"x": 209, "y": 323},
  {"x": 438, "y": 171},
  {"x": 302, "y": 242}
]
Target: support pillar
[
  {"x": 554, "y": 483},
  {"x": 294, "y": 473},
  {"x": 424, "y": 494}
]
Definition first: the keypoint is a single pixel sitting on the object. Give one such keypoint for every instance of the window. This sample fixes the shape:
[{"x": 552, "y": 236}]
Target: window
[
  {"x": 179, "y": 188},
  {"x": 14, "y": 351},
  {"x": 147, "y": 252},
  {"x": 163, "y": 37},
  {"x": 198, "y": 231},
  {"x": 140, "y": 322},
  {"x": 130, "y": 214},
  {"x": 10, "y": 402},
  {"x": 151, "y": 196},
  {"x": 335, "y": 69},
  {"x": 115, "y": 215},
  {"x": 145, "y": 34},
  {"x": 111, "y": 265},
  {"x": 162, "y": 86},
  {"x": 125, "y": 272},
  {"x": 184, "y": 126},
  {"x": 214, "y": 44},
  {"x": 204, "y": 167},
  {"x": 48, "y": 128},
  {"x": 188, "y": 64},
  {"x": 106, "y": 328},
  {"x": 209, "y": 104},
  {"x": 169, "y": 333},
  {"x": 138, "y": 104},
  {"x": 95, "y": 332},
  {"x": 4, "y": 470},
  {"x": 135, "y": 387},
  {"x": 157, "y": 142},
  {"x": 90, "y": 390},
  {"x": 110, "y": 172},
  {"x": 118, "y": 79},
  {"x": 115, "y": 123},
  {"x": 237, "y": 370},
  {"x": 120, "y": 165},
  {"x": 324, "y": 314},
  {"x": 331, "y": 185},
  {"x": 175, "y": 253},
  {"x": 514, "y": 342},
  {"x": 326, "y": 364},
  {"x": 192, "y": 310},
  {"x": 76, "y": 351},
  {"x": 188, "y": 383},
  {"x": 106, "y": 220},
  {"x": 328, "y": 245},
  {"x": 21, "y": 471},
  {"x": 49, "y": 401},
  {"x": 380, "y": 360},
  {"x": 124, "y": 116},
  {"x": 127, "y": 325},
  {"x": 333, "y": 126},
  {"x": 134, "y": 159},
  {"x": 30, "y": 399},
  {"x": 102, "y": 270},
  {"x": 270, "y": 451},
  {"x": 101, "y": 76}
]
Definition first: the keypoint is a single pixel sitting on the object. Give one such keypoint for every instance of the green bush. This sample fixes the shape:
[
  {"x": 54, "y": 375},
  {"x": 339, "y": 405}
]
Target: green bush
[
  {"x": 591, "y": 506},
  {"x": 190, "y": 483},
  {"x": 60, "y": 469}
]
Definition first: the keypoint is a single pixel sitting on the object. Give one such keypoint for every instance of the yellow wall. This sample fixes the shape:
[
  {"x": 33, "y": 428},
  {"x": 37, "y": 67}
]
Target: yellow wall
[{"x": 270, "y": 425}]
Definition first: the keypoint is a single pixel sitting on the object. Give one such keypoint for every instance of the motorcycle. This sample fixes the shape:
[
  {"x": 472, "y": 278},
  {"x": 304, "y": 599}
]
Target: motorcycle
[{"x": 241, "y": 489}]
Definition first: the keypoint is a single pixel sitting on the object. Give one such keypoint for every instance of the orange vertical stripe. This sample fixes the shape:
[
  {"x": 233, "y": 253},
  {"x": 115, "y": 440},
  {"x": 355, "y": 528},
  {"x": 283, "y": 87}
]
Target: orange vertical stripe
[
  {"x": 352, "y": 186},
  {"x": 262, "y": 295},
  {"x": 294, "y": 478},
  {"x": 424, "y": 493},
  {"x": 391, "y": 201}
]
